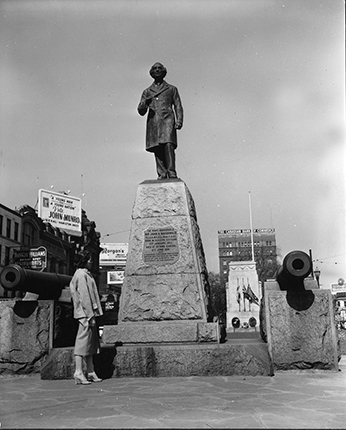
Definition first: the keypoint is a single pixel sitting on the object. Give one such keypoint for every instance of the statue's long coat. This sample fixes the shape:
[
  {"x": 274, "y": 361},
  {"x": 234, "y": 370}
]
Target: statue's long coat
[{"x": 165, "y": 109}]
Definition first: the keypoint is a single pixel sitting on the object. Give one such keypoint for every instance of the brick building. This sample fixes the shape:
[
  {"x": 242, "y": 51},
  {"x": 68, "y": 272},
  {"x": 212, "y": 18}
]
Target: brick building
[
  {"x": 235, "y": 245},
  {"x": 10, "y": 236}
]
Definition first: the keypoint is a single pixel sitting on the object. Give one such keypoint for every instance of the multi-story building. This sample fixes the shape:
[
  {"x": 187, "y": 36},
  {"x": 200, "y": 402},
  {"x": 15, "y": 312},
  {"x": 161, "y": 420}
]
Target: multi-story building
[
  {"x": 22, "y": 232},
  {"x": 10, "y": 237},
  {"x": 236, "y": 245}
]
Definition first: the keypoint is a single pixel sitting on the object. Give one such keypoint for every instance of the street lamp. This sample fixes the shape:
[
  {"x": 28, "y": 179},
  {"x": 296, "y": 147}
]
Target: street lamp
[{"x": 317, "y": 273}]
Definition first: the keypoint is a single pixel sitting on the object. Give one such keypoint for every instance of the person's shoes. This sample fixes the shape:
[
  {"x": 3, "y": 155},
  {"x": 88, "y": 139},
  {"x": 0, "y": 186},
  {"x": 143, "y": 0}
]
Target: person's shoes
[
  {"x": 80, "y": 379},
  {"x": 92, "y": 377}
]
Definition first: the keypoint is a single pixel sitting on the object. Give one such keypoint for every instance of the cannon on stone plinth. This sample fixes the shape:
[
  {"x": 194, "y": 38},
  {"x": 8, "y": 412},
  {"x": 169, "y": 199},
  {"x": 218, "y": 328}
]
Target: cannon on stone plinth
[
  {"x": 296, "y": 266},
  {"x": 47, "y": 285},
  {"x": 297, "y": 318}
]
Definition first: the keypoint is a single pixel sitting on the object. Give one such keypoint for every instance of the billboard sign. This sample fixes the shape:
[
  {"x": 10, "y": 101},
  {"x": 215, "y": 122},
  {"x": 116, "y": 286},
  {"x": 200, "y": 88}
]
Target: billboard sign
[
  {"x": 115, "y": 277},
  {"x": 113, "y": 253},
  {"x": 340, "y": 287},
  {"x": 33, "y": 258},
  {"x": 61, "y": 211}
]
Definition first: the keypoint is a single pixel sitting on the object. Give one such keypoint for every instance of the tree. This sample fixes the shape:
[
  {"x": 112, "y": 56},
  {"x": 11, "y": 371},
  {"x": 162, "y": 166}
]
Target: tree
[
  {"x": 217, "y": 294},
  {"x": 266, "y": 264}
]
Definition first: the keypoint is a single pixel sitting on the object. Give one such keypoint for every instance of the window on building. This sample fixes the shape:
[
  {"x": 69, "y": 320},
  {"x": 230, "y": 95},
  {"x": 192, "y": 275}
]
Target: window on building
[
  {"x": 62, "y": 267},
  {"x": 8, "y": 228},
  {"x": 28, "y": 234},
  {"x": 16, "y": 231},
  {"x": 1, "y": 222},
  {"x": 7, "y": 255},
  {"x": 53, "y": 265}
]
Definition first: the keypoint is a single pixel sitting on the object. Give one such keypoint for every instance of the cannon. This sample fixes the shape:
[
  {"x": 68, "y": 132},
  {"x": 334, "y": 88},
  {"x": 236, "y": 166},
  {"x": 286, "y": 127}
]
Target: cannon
[
  {"x": 295, "y": 268},
  {"x": 47, "y": 285}
]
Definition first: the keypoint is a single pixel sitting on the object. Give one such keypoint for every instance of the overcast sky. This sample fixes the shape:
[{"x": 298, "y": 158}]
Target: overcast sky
[{"x": 262, "y": 86}]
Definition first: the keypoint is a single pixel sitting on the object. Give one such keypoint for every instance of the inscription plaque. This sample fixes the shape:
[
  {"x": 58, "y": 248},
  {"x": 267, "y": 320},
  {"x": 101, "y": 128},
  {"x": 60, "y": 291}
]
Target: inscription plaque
[{"x": 160, "y": 246}]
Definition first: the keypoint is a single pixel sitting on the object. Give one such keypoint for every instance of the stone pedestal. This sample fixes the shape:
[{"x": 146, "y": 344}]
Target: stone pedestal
[
  {"x": 164, "y": 324},
  {"x": 300, "y": 339},
  {"x": 165, "y": 296},
  {"x": 25, "y": 335}
]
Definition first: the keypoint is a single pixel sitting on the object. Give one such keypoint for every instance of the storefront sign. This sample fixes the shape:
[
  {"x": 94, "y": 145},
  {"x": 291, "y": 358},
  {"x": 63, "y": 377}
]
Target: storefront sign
[
  {"x": 113, "y": 253},
  {"x": 338, "y": 288},
  {"x": 34, "y": 258},
  {"x": 115, "y": 277}
]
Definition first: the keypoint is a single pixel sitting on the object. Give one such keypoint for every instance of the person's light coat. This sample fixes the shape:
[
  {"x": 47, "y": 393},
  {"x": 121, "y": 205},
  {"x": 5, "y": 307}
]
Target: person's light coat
[{"x": 86, "y": 301}]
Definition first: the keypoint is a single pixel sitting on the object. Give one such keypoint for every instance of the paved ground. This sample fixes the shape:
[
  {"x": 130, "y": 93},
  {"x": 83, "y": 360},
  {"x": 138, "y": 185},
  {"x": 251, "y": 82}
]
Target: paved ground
[{"x": 287, "y": 400}]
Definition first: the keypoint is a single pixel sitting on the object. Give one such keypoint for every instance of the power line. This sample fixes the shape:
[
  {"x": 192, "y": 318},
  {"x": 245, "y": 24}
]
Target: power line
[
  {"x": 320, "y": 260},
  {"x": 333, "y": 256},
  {"x": 117, "y": 232},
  {"x": 327, "y": 262}
]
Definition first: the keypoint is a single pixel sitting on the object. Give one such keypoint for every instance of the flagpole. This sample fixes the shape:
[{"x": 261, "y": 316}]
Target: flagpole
[{"x": 251, "y": 230}]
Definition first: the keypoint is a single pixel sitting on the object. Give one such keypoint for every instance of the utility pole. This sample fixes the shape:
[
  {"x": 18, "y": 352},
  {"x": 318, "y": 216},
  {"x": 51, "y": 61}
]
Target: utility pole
[{"x": 251, "y": 230}]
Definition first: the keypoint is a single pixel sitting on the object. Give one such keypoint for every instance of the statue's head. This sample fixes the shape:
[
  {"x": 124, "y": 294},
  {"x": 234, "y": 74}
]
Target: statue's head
[{"x": 158, "y": 70}]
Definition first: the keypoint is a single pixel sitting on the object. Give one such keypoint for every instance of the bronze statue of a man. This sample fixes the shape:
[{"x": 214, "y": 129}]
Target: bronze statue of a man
[{"x": 165, "y": 116}]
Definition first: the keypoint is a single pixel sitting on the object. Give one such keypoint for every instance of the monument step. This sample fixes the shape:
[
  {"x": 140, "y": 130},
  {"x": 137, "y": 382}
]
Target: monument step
[
  {"x": 227, "y": 359},
  {"x": 243, "y": 357},
  {"x": 243, "y": 335}
]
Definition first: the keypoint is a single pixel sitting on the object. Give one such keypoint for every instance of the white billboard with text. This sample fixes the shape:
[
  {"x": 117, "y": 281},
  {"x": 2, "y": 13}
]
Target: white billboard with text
[{"x": 61, "y": 211}]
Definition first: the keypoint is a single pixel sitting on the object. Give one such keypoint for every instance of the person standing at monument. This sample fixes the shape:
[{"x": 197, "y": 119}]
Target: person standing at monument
[
  {"x": 165, "y": 116},
  {"x": 87, "y": 306}
]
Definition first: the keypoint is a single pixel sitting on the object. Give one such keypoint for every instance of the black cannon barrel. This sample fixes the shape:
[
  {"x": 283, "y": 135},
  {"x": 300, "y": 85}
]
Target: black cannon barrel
[
  {"x": 296, "y": 266},
  {"x": 47, "y": 285}
]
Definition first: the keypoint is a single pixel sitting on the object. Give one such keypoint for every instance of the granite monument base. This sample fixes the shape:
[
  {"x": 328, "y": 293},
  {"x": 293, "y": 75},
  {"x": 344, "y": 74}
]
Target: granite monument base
[
  {"x": 300, "y": 339},
  {"x": 165, "y": 321},
  {"x": 239, "y": 358},
  {"x": 251, "y": 359}
]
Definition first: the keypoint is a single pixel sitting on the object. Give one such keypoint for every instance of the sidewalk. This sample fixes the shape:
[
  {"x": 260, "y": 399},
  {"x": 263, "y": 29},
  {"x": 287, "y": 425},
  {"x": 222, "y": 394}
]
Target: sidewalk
[{"x": 315, "y": 399}]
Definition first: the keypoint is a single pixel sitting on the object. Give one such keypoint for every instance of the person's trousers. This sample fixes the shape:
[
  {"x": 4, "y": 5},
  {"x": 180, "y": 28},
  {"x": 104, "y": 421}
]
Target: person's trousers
[{"x": 165, "y": 161}]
